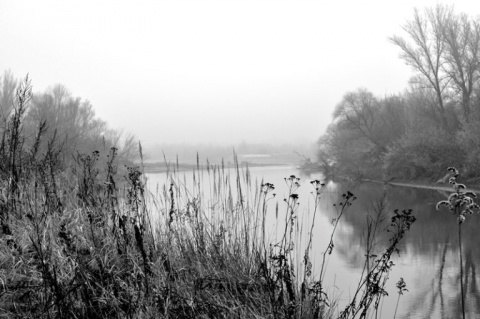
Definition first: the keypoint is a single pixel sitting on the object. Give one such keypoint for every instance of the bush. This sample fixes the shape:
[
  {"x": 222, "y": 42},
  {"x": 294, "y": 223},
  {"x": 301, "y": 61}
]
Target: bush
[{"x": 423, "y": 151}]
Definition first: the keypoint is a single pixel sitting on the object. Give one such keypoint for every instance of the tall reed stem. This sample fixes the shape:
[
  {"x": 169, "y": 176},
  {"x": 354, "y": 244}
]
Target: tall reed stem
[
  {"x": 461, "y": 267},
  {"x": 396, "y": 307}
]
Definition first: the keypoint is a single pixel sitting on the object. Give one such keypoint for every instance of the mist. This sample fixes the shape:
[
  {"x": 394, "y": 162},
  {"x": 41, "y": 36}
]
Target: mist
[{"x": 209, "y": 72}]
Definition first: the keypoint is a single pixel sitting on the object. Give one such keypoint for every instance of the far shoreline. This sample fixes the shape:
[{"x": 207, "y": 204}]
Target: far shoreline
[{"x": 162, "y": 167}]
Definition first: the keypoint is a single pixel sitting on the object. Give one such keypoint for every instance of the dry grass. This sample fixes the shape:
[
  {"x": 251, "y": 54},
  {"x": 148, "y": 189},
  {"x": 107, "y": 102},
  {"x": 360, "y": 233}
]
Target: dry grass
[{"x": 88, "y": 242}]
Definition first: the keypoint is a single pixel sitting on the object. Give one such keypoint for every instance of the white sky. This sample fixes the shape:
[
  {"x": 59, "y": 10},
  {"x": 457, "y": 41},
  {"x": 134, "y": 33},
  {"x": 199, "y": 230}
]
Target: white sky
[{"x": 211, "y": 71}]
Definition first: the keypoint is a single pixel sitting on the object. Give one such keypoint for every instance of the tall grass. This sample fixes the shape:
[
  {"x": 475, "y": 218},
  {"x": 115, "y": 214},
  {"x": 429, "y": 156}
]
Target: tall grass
[{"x": 91, "y": 241}]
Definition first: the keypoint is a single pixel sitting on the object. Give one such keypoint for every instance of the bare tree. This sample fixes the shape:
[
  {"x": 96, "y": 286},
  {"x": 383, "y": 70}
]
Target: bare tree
[
  {"x": 425, "y": 52},
  {"x": 444, "y": 49},
  {"x": 462, "y": 44},
  {"x": 70, "y": 120},
  {"x": 359, "y": 111},
  {"x": 125, "y": 142}
]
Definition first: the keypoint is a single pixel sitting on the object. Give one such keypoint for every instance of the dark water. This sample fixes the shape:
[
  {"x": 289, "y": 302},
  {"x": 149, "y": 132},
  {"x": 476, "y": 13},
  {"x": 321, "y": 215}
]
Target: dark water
[{"x": 429, "y": 254}]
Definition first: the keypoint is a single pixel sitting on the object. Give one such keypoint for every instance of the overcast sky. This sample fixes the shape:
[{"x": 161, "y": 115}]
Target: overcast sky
[{"x": 211, "y": 71}]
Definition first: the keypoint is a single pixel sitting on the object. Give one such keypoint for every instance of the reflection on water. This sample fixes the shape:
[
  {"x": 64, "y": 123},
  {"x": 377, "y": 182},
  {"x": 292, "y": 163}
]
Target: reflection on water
[
  {"x": 428, "y": 259},
  {"x": 429, "y": 256}
]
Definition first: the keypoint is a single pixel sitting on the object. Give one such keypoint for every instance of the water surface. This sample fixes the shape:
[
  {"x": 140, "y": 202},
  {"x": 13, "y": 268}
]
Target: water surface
[{"x": 429, "y": 255}]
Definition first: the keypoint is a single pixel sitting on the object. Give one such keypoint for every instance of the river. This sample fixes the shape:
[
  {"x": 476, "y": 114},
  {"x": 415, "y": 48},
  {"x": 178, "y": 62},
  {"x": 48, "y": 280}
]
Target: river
[{"x": 428, "y": 258}]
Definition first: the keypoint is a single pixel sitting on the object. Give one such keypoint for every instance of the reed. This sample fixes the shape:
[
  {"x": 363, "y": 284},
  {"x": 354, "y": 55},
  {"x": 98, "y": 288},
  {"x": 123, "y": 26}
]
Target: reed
[{"x": 90, "y": 240}]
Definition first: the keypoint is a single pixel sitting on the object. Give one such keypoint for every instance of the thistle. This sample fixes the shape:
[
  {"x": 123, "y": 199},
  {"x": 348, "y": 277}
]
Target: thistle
[{"x": 460, "y": 202}]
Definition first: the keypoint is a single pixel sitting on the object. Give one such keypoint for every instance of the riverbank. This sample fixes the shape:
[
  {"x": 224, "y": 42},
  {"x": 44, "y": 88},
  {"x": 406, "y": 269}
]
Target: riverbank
[{"x": 426, "y": 184}]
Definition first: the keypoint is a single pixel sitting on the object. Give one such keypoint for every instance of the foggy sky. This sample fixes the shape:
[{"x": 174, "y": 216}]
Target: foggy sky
[{"x": 210, "y": 71}]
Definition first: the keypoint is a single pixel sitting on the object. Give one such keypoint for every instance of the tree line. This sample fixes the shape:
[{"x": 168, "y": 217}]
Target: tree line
[
  {"x": 433, "y": 124},
  {"x": 57, "y": 119}
]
